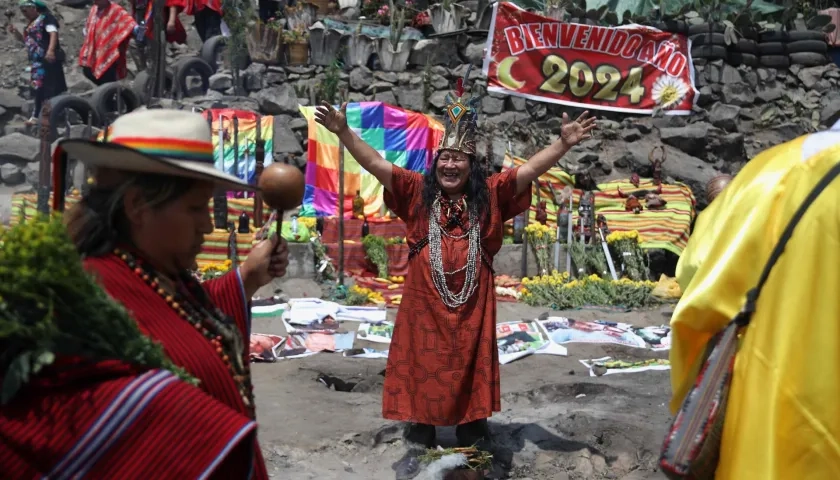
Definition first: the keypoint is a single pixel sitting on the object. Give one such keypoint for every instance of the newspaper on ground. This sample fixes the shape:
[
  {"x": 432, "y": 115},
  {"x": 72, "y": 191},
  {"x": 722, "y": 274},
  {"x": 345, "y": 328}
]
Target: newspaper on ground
[
  {"x": 265, "y": 347},
  {"x": 562, "y": 330},
  {"x": 659, "y": 338},
  {"x": 380, "y": 332},
  {"x": 268, "y": 310},
  {"x": 303, "y": 311},
  {"x": 516, "y": 340},
  {"x": 607, "y": 366},
  {"x": 324, "y": 325}
]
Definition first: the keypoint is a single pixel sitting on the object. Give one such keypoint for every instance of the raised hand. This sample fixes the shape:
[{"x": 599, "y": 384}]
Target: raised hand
[
  {"x": 334, "y": 120},
  {"x": 575, "y": 132}
]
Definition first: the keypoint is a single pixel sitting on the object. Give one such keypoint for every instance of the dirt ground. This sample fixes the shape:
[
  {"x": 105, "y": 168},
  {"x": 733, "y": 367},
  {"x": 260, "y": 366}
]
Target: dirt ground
[{"x": 559, "y": 422}]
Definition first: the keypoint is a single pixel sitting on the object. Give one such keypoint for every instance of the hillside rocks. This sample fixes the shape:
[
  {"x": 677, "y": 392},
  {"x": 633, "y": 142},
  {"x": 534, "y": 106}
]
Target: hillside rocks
[{"x": 740, "y": 110}]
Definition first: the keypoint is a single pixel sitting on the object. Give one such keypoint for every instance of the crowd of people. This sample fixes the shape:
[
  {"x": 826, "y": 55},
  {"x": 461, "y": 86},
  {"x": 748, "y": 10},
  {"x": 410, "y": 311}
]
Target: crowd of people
[{"x": 108, "y": 34}]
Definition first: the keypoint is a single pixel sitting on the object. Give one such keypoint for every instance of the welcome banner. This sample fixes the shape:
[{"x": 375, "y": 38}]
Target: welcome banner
[{"x": 630, "y": 69}]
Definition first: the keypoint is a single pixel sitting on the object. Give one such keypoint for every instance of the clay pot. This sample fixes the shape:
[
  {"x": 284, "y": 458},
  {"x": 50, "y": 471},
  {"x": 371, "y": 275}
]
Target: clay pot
[
  {"x": 282, "y": 186},
  {"x": 716, "y": 185}
]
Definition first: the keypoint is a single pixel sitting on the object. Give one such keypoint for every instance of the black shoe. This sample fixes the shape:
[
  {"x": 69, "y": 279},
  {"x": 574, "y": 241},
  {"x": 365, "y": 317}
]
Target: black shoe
[{"x": 408, "y": 466}]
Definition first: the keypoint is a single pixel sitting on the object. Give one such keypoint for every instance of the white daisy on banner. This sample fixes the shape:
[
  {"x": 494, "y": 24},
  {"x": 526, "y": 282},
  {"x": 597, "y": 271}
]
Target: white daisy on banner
[{"x": 669, "y": 91}]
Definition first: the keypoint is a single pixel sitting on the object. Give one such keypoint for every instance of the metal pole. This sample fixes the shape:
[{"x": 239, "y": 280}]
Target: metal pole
[
  {"x": 259, "y": 153},
  {"x": 569, "y": 237},
  {"x": 236, "y": 148},
  {"x": 341, "y": 214},
  {"x": 524, "y": 260},
  {"x": 45, "y": 159},
  {"x": 220, "y": 210}
]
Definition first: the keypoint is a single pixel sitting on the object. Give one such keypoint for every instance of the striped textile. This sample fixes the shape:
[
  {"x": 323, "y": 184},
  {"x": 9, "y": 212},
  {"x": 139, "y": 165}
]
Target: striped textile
[
  {"x": 667, "y": 229},
  {"x": 25, "y": 205},
  {"x": 107, "y": 420},
  {"x": 186, "y": 346},
  {"x": 405, "y": 138},
  {"x": 105, "y": 35},
  {"x": 215, "y": 248},
  {"x": 223, "y": 146},
  {"x": 353, "y": 229}
]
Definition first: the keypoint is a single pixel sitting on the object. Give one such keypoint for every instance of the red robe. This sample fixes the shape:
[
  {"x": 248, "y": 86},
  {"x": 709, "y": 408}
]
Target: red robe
[
  {"x": 202, "y": 435},
  {"x": 443, "y": 365}
]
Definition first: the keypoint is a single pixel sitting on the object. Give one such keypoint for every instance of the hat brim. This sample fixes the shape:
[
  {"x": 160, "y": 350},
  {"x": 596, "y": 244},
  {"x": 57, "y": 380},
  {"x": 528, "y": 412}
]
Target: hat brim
[{"x": 120, "y": 157}]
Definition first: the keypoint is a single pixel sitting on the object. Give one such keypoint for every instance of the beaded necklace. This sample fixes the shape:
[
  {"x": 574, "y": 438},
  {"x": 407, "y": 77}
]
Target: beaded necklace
[
  {"x": 191, "y": 303},
  {"x": 472, "y": 265}
]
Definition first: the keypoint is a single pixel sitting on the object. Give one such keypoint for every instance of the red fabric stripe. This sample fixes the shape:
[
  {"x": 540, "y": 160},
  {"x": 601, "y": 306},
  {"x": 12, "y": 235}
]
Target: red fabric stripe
[
  {"x": 181, "y": 341},
  {"x": 178, "y": 435}
]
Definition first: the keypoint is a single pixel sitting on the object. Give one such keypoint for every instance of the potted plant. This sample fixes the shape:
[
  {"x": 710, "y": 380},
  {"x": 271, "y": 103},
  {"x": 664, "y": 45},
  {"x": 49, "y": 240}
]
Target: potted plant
[
  {"x": 300, "y": 15},
  {"x": 556, "y": 9},
  {"x": 324, "y": 44},
  {"x": 383, "y": 15},
  {"x": 298, "y": 41},
  {"x": 265, "y": 42},
  {"x": 358, "y": 48},
  {"x": 447, "y": 16},
  {"x": 393, "y": 51}
]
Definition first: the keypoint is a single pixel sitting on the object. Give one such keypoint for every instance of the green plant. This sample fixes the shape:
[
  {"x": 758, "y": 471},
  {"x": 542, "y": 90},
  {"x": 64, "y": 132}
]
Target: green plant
[
  {"x": 428, "y": 90},
  {"x": 50, "y": 306},
  {"x": 375, "y": 251},
  {"x": 397, "y": 23},
  {"x": 298, "y": 34},
  {"x": 238, "y": 15},
  {"x": 328, "y": 88}
]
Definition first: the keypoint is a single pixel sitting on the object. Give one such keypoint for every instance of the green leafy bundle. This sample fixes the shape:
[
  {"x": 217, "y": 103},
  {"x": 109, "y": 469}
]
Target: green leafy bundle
[
  {"x": 376, "y": 253},
  {"x": 49, "y": 306}
]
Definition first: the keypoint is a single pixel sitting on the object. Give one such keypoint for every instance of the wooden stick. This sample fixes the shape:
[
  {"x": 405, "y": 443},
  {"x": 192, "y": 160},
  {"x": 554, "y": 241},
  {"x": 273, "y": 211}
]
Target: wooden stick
[
  {"x": 259, "y": 154},
  {"x": 341, "y": 214}
]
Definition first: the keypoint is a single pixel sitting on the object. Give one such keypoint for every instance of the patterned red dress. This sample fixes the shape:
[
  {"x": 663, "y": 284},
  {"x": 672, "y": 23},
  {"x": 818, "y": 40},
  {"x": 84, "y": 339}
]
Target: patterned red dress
[
  {"x": 110, "y": 420},
  {"x": 443, "y": 366}
]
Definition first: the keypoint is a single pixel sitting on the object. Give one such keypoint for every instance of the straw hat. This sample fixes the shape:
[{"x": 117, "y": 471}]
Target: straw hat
[{"x": 158, "y": 141}]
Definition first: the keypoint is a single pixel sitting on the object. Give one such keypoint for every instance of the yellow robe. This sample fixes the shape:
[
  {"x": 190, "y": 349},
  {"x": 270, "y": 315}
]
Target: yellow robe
[{"x": 783, "y": 417}]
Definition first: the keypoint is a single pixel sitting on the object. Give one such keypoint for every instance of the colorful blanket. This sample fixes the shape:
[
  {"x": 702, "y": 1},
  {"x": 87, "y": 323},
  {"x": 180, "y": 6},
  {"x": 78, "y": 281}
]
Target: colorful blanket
[
  {"x": 404, "y": 138},
  {"x": 224, "y": 148},
  {"x": 667, "y": 229}
]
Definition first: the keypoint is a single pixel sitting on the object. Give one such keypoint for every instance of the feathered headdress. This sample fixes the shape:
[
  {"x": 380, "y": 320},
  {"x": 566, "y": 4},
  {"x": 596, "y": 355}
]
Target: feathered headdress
[{"x": 461, "y": 119}]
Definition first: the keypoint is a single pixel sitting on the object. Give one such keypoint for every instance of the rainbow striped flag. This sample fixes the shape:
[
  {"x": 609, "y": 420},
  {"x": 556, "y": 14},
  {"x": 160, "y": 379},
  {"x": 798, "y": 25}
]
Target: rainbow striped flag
[
  {"x": 405, "y": 138},
  {"x": 668, "y": 228}
]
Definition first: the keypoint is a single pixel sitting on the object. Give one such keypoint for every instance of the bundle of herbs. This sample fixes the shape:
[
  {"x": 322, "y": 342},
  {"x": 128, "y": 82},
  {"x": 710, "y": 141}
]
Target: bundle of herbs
[
  {"x": 375, "y": 251},
  {"x": 50, "y": 307}
]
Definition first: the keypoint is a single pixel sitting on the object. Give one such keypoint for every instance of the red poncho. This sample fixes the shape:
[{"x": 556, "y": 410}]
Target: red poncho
[
  {"x": 106, "y": 40},
  {"x": 207, "y": 429}
]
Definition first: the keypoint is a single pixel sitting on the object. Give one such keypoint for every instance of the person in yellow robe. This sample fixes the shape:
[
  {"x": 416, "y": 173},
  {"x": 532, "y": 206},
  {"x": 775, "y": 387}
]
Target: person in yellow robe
[{"x": 782, "y": 420}]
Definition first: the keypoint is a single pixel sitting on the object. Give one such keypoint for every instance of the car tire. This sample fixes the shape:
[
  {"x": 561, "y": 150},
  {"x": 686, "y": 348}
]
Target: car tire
[
  {"x": 61, "y": 103},
  {"x": 802, "y": 46},
  {"x": 808, "y": 59},
  {"x": 778, "y": 62},
  {"x": 102, "y": 99},
  {"x": 183, "y": 66}
]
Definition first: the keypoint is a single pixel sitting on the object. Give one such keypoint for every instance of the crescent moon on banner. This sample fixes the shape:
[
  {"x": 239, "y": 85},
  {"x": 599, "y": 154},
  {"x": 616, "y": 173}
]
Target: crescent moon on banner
[{"x": 505, "y": 77}]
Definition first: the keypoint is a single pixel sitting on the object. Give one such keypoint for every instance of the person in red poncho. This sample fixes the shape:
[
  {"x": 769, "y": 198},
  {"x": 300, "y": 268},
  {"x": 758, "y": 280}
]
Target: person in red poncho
[
  {"x": 107, "y": 33},
  {"x": 139, "y": 230},
  {"x": 143, "y": 11}
]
